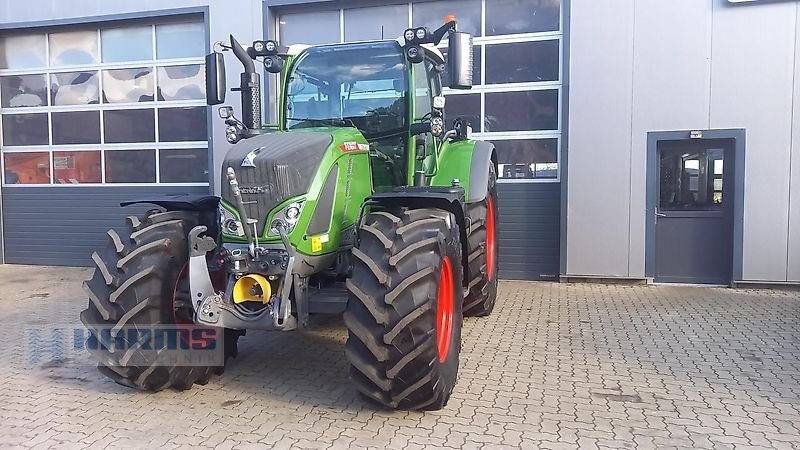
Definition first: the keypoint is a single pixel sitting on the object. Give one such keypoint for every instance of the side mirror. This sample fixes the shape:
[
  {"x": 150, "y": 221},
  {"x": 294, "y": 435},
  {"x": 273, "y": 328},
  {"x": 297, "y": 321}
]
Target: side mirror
[
  {"x": 215, "y": 78},
  {"x": 459, "y": 60}
]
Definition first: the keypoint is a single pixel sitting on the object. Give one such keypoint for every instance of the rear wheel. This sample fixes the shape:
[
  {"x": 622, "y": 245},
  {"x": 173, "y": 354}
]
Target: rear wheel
[
  {"x": 404, "y": 315},
  {"x": 140, "y": 283},
  {"x": 483, "y": 252}
]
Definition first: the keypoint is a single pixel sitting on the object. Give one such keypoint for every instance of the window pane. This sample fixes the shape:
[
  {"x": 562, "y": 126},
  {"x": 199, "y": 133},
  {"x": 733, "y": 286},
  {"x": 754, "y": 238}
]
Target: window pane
[
  {"x": 527, "y": 158},
  {"x": 130, "y": 166},
  {"x": 25, "y": 129},
  {"x": 182, "y": 124},
  {"x": 476, "y": 66},
  {"x": 76, "y": 167},
  {"x": 311, "y": 28},
  {"x": 522, "y": 111},
  {"x": 22, "y": 52},
  {"x": 522, "y": 16},
  {"x": 467, "y": 106},
  {"x": 691, "y": 179},
  {"x": 73, "y": 48},
  {"x": 128, "y": 85},
  {"x": 127, "y": 44},
  {"x": 78, "y": 127},
  {"x": 375, "y": 23},
  {"x": 432, "y": 14},
  {"x": 23, "y": 90},
  {"x": 180, "y": 40},
  {"x": 183, "y": 165},
  {"x": 181, "y": 83},
  {"x": 422, "y": 88},
  {"x": 75, "y": 88},
  {"x": 129, "y": 125},
  {"x": 522, "y": 62},
  {"x": 27, "y": 168}
]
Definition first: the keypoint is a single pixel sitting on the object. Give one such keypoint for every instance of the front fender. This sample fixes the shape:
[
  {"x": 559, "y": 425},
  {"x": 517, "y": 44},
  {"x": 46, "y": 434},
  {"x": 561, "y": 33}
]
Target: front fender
[
  {"x": 468, "y": 161},
  {"x": 179, "y": 202}
]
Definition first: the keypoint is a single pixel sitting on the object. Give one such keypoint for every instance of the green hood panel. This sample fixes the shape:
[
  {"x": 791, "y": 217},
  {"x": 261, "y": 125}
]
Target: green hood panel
[
  {"x": 332, "y": 177},
  {"x": 272, "y": 168}
]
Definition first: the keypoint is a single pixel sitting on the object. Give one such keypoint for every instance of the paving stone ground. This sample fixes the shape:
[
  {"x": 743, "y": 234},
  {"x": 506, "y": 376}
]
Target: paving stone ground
[{"x": 555, "y": 366}]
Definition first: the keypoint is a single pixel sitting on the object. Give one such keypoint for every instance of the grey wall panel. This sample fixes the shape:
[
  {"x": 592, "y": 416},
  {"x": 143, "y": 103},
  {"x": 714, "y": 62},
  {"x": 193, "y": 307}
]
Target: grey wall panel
[
  {"x": 63, "y": 226},
  {"x": 793, "y": 263},
  {"x": 752, "y": 78},
  {"x": 529, "y": 230},
  {"x": 671, "y": 90},
  {"x": 601, "y": 68}
]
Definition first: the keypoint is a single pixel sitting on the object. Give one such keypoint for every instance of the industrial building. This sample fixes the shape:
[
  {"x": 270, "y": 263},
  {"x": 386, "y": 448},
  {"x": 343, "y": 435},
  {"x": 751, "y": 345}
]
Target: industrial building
[{"x": 638, "y": 139}]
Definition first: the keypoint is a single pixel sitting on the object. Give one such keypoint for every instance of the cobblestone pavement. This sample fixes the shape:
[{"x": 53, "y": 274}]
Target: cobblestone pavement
[{"x": 556, "y": 365}]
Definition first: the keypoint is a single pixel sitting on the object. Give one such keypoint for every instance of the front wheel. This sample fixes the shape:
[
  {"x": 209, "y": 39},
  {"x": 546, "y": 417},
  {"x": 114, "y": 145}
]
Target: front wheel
[
  {"x": 139, "y": 290},
  {"x": 405, "y": 310}
]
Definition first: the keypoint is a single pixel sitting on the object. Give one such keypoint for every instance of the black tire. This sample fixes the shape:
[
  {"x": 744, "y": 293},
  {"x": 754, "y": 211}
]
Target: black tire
[
  {"x": 482, "y": 282},
  {"x": 135, "y": 282},
  {"x": 392, "y": 313}
]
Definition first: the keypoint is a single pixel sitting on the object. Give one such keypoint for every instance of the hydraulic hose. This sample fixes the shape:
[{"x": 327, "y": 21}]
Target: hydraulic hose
[{"x": 237, "y": 195}]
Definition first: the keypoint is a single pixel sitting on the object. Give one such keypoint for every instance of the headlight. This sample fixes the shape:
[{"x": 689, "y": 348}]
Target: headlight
[
  {"x": 437, "y": 126},
  {"x": 293, "y": 212},
  {"x": 232, "y": 134},
  {"x": 286, "y": 218},
  {"x": 229, "y": 223}
]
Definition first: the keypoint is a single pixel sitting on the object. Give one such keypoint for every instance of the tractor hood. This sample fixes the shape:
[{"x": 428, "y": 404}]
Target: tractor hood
[{"x": 272, "y": 168}]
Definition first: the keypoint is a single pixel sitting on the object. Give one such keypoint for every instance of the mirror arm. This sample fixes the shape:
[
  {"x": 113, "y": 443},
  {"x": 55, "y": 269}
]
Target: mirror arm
[
  {"x": 438, "y": 35},
  {"x": 420, "y": 128}
]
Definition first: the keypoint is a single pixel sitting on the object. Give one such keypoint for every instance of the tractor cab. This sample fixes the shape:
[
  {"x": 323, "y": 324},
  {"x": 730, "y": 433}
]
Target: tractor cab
[
  {"x": 363, "y": 86},
  {"x": 390, "y": 91}
]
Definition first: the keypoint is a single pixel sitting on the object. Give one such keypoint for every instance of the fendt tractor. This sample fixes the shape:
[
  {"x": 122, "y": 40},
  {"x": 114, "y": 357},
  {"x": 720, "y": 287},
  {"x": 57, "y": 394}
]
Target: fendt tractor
[{"x": 358, "y": 202}]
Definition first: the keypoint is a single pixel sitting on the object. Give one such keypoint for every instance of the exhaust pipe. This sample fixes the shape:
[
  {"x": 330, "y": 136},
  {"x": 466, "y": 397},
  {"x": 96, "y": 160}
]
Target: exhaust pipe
[{"x": 250, "y": 87}]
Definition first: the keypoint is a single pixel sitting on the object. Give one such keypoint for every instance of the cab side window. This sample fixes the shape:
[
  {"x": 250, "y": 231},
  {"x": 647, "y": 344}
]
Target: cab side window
[{"x": 423, "y": 96}]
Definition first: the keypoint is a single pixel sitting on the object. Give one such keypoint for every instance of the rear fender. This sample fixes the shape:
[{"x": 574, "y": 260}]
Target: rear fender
[
  {"x": 448, "y": 198},
  {"x": 468, "y": 161}
]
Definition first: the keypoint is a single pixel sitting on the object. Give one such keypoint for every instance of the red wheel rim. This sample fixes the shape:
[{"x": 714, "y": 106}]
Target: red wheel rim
[
  {"x": 490, "y": 239},
  {"x": 444, "y": 310}
]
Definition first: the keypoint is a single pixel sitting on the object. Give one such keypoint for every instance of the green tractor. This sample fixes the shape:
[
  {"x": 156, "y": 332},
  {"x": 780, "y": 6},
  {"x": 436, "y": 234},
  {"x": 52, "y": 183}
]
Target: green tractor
[{"x": 358, "y": 201}]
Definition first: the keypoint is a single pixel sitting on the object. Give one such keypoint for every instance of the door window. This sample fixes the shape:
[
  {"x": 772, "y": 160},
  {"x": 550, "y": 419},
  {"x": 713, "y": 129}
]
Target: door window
[{"x": 691, "y": 180}]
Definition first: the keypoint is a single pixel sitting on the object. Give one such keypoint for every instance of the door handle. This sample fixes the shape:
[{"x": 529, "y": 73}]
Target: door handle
[{"x": 658, "y": 214}]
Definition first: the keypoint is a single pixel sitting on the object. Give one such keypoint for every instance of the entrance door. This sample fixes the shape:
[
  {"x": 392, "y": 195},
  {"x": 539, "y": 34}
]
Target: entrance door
[{"x": 694, "y": 211}]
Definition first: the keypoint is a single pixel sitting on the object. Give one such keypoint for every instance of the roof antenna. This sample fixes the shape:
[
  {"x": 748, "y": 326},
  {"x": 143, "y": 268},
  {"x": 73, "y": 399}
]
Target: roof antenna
[{"x": 382, "y": 38}]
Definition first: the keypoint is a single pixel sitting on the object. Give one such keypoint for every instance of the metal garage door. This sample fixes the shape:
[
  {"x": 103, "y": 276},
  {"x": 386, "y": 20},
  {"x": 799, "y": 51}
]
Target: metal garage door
[
  {"x": 92, "y": 115},
  {"x": 516, "y": 103}
]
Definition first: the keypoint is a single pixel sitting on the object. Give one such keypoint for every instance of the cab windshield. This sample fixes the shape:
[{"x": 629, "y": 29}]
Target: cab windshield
[{"x": 362, "y": 85}]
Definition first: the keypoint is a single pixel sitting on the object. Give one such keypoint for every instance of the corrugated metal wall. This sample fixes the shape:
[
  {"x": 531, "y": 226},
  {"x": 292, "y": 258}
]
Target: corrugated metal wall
[
  {"x": 64, "y": 225},
  {"x": 529, "y": 230}
]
